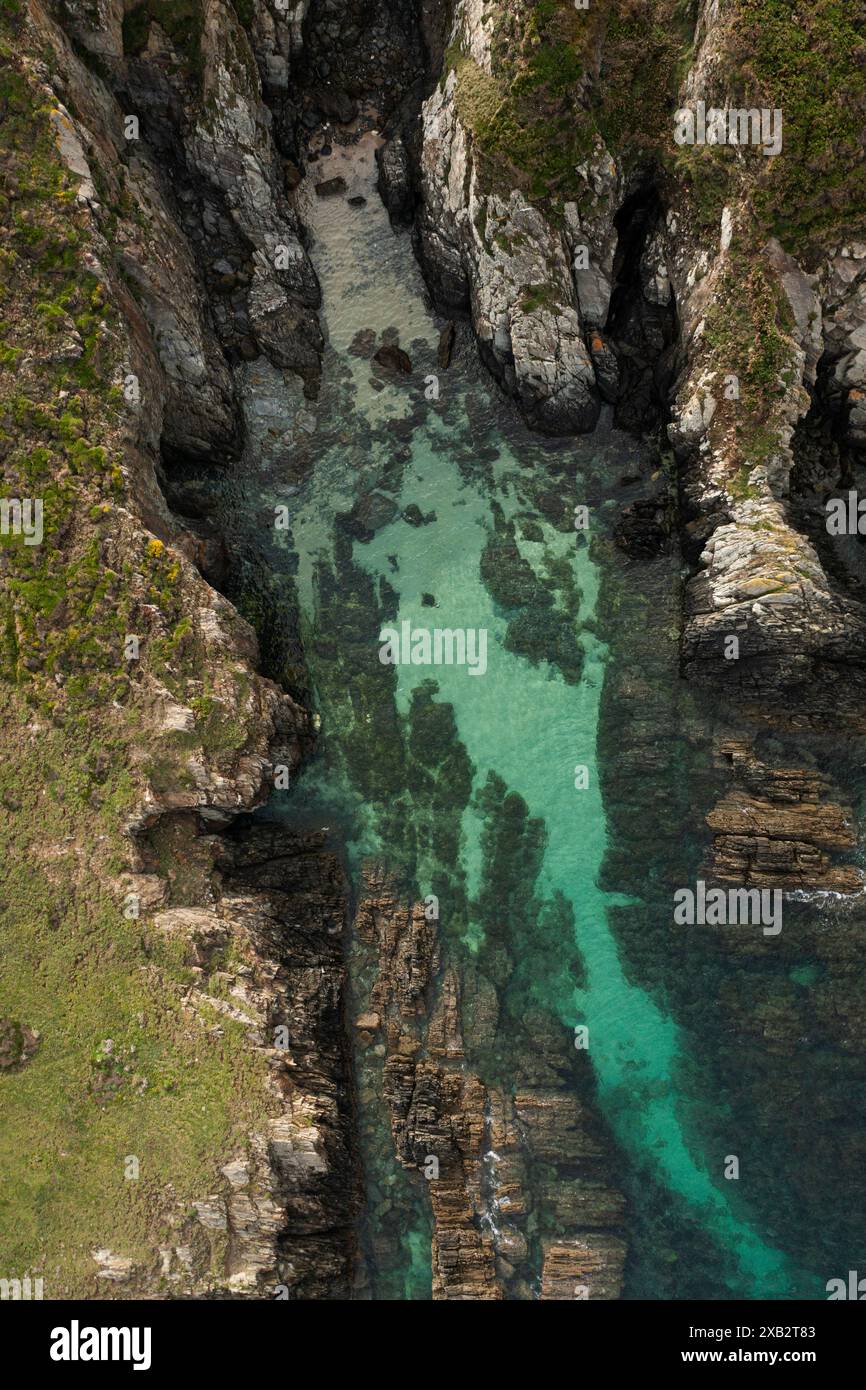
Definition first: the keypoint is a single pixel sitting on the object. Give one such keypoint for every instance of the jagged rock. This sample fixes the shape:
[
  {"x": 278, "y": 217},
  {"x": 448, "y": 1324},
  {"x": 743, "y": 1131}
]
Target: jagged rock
[
  {"x": 763, "y": 583},
  {"x": 644, "y": 527},
  {"x": 554, "y": 1125},
  {"x": 780, "y": 827},
  {"x": 336, "y": 104},
  {"x": 582, "y": 1269},
  {"x": 211, "y": 1213},
  {"x": 485, "y": 1140},
  {"x": 286, "y": 330},
  {"x": 395, "y": 180},
  {"x": 446, "y": 345},
  {"x": 150, "y": 890},
  {"x": 290, "y": 1210},
  {"x": 501, "y": 254},
  {"x": 115, "y": 1268},
  {"x": 655, "y": 280},
  {"x": 605, "y": 366}
]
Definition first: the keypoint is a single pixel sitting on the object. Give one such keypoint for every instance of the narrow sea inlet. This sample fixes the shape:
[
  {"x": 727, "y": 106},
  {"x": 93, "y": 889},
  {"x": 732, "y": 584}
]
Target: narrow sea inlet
[
  {"x": 417, "y": 503},
  {"x": 433, "y": 608}
]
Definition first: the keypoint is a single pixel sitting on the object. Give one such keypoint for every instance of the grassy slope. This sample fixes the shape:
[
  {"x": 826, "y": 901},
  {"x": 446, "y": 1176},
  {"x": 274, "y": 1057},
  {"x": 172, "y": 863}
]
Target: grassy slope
[
  {"x": 809, "y": 60},
  {"x": 72, "y": 729}
]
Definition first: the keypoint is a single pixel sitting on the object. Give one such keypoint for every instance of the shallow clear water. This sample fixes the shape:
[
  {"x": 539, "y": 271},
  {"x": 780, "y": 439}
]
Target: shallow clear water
[{"x": 421, "y": 498}]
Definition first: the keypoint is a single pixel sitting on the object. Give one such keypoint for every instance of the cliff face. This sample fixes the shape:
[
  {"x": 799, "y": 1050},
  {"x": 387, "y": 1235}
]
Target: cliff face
[
  {"x": 532, "y": 175},
  {"x": 753, "y": 311},
  {"x": 181, "y": 970},
  {"x": 486, "y": 246},
  {"x": 719, "y": 297}
]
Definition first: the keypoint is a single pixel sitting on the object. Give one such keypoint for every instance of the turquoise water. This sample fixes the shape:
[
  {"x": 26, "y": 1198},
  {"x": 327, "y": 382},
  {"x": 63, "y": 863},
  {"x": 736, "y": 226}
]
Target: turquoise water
[{"x": 522, "y": 720}]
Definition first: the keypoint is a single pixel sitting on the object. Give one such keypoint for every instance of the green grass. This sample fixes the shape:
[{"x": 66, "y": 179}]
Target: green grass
[
  {"x": 537, "y": 297},
  {"x": 526, "y": 119},
  {"x": 645, "y": 52},
  {"x": 537, "y": 117},
  {"x": 809, "y": 60},
  {"x": 74, "y": 969},
  {"x": 748, "y": 330},
  {"x": 75, "y": 747}
]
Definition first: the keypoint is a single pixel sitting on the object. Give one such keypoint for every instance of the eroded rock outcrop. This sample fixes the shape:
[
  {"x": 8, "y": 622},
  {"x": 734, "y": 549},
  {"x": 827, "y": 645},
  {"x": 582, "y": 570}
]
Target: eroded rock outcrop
[
  {"x": 490, "y": 248},
  {"x": 735, "y": 408},
  {"x": 781, "y": 826},
  {"x": 500, "y": 1159},
  {"x": 563, "y": 320}
]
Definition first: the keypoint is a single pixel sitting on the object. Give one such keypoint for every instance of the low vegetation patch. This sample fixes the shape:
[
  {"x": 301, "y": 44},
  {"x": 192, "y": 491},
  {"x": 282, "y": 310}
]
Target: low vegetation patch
[{"x": 101, "y": 1059}]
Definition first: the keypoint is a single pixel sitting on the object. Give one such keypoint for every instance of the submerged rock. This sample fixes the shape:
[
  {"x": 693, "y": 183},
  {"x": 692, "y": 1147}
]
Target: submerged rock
[
  {"x": 331, "y": 188},
  {"x": 370, "y": 513},
  {"x": 415, "y": 517},
  {"x": 644, "y": 527},
  {"x": 393, "y": 358},
  {"x": 363, "y": 343}
]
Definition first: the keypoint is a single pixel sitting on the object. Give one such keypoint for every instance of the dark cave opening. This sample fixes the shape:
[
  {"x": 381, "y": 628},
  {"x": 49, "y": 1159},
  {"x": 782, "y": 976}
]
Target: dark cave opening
[{"x": 642, "y": 319}]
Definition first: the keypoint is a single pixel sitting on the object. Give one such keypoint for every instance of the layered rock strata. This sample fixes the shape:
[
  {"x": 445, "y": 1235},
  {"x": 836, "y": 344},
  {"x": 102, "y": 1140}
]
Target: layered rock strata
[{"x": 503, "y": 1162}]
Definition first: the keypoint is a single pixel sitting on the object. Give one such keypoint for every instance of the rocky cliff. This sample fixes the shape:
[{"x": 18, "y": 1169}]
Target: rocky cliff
[
  {"x": 150, "y": 257},
  {"x": 714, "y": 295},
  {"x": 548, "y": 137}
]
